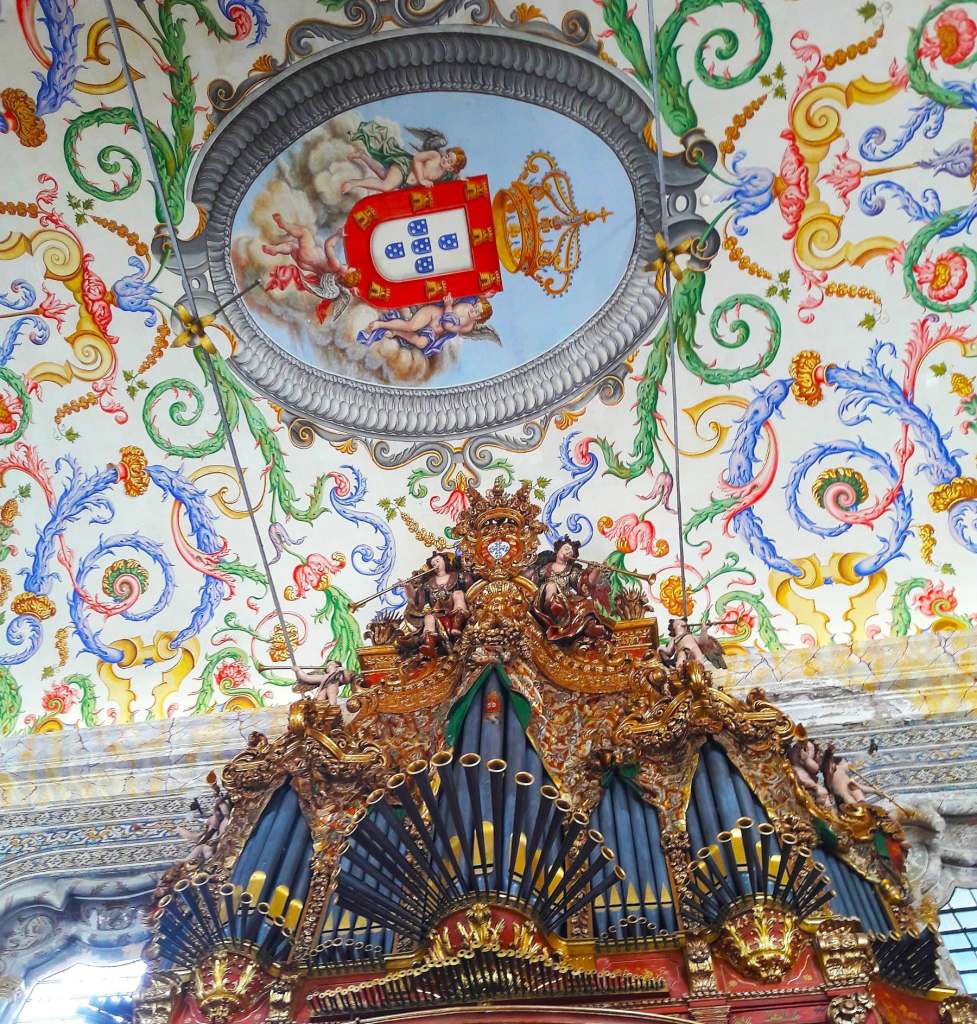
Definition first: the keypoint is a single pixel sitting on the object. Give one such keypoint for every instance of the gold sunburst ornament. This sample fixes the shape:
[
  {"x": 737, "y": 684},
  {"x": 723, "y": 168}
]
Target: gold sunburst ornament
[{"x": 224, "y": 985}]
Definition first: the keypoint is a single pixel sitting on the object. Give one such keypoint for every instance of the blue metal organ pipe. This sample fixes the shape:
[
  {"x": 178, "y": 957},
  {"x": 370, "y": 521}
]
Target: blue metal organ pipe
[
  {"x": 496, "y": 735},
  {"x": 856, "y": 896},
  {"x": 705, "y": 804},
  {"x": 281, "y": 845},
  {"x": 718, "y": 787},
  {"x": 248, "y": 861},
  {"x": 631, "y": 828}
]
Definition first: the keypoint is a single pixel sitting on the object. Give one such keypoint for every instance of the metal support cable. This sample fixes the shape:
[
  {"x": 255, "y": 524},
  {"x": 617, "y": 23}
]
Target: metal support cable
[
  {"x": 663, "y": 199},
  {"x": 192, "y": 302}
]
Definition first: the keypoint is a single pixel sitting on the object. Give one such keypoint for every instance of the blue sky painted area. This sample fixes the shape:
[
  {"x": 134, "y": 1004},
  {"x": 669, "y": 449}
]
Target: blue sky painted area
[{"x": 498, "y": 134}]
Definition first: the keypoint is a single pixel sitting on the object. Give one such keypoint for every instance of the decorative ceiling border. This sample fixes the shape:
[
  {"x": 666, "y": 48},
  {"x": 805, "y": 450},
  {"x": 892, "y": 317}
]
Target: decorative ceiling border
[
  {"x": 368, "y": 17},
  {"x": 592, "y": 359}
]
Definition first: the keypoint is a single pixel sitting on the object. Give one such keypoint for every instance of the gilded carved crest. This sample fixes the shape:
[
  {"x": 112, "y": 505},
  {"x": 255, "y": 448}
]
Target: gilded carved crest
[{"x": 498, "y": 534}]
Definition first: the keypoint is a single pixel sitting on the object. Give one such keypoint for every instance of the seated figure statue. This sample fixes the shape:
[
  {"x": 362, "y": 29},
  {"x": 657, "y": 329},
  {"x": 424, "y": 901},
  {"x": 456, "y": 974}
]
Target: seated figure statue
[
  {"x": 568, "y": 602},
  {"x": 436, "y": 610}
]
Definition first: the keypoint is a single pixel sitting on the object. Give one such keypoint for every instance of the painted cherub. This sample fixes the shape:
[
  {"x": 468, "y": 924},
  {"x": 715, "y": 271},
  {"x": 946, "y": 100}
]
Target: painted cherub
[
  {"x": 432, "y": 326},
  {"x": 316, "y": 269},
  {"x": 378, "y": 151}
]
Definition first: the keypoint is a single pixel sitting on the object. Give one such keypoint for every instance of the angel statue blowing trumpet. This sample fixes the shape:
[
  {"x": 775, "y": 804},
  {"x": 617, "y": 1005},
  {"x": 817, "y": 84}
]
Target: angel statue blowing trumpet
[
  {"x": 572, "y": 595},
  {"x": 687, "y": 647}
]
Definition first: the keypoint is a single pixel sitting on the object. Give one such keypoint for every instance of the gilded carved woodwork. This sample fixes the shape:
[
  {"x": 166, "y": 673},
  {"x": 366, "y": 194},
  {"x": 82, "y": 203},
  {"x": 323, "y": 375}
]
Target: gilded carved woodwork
[
  {"x": 153, "y": 1002},
  {"x": 484, "y": 937},
  {"x": 762, "y": 940},
  {"x": 481, "y": 930},
  {"x": 700, "y": 710},
  {"x": 844, "y": 952},
  {"x": 699, "y": 967},
  {"x": 226, "y": 984},
  {"x": 280, "y": 998},
  {"x": 498, "y": 535},
  {"x": 958, "y": 1010},
  {"x": 851, "y": 1009}
]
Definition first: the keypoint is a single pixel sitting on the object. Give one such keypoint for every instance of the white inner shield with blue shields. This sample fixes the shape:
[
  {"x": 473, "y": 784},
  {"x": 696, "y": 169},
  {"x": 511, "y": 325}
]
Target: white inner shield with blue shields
[{"x": 422, "y": 245}]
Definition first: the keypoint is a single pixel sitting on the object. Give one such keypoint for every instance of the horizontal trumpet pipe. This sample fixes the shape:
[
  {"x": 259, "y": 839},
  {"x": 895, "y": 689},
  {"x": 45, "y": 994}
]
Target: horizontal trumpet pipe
[
  {"x": 563, "y": 809},
  {"x": 356, "y": 605},
  {"x": 544, "y": 811},
  {"x": 581, "y": 858},
  {"x": 603, "y": 860},
  {"x": 397, "y": 785},
  {"x": 496, "y": 768},
  {"x": 442, "y": 763},
  {"x": 522, "y": 782},
  {"x": 647, "y": 577},
  {"x": 419, "y": 772},
  {"x": 376, "y": 843},
  {"x": 575, "y": 824},
  {"x": 582, "y": 897},
  {"x": 470, "y": 763},
  {"x": 288, "y": 668}
]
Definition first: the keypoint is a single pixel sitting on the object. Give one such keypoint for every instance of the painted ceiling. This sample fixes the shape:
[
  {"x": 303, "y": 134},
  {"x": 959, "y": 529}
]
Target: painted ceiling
[{"x": 819, "y": 176}]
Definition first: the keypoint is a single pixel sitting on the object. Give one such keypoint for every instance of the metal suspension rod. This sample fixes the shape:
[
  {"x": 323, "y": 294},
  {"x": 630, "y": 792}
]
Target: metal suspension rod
[
  {"x": 663, "y": 200},
  {"x": 192, "y": 301}
]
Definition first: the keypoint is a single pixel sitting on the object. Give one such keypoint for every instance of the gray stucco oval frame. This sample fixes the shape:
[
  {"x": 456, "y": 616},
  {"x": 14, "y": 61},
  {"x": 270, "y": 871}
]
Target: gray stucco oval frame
[{"x": 447, "y": 59}]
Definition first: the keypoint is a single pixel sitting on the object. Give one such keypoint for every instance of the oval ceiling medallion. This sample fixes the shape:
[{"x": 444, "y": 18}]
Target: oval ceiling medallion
[{"x": 451, "y": 231}]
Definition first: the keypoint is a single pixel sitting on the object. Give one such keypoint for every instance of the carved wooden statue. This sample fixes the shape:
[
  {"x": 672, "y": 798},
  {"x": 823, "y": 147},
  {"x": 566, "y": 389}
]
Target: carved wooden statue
[
  {"x": 840, "y": 784},
  {"x": 569, "y": 601},
  {"x": 215, "y": 824},
  {"x": 687, "y": 647},
  {"x": 436, "y": 610},
  {"x": 806, "y": 762},
  {"x": 325, "y": 682}
]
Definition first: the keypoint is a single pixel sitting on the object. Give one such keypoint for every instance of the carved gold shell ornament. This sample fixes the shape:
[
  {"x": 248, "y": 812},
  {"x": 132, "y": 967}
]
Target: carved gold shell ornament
[
  {"x": 225, "y": 984},
  {"x": 762, "y": 939}
]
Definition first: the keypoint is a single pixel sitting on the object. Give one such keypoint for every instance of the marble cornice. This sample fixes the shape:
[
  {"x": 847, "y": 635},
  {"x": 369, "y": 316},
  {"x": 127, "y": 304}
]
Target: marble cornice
[
  {"x": 927, "y": 676},
  {"x": 149, "y": 759}
]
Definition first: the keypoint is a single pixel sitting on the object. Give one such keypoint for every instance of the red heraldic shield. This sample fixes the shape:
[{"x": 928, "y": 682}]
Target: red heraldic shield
[{"x": 417, "y": 245}]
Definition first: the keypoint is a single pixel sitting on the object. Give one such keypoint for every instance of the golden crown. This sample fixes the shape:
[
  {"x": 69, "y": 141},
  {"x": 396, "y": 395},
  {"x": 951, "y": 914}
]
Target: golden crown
[{"x": 537, "y": 224}]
